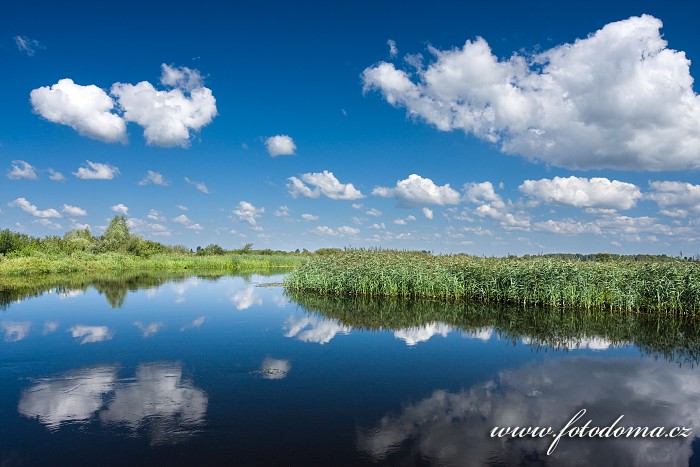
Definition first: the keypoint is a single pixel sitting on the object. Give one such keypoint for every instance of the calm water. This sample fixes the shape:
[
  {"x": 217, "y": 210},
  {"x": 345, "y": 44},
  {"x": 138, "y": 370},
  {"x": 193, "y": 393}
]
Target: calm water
[{"x": 222, "y": 371}]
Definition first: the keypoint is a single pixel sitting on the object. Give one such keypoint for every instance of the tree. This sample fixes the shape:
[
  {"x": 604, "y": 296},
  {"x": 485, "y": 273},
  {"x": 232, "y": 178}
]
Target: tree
[
  {"x": 7, "y": 243},
  {"x": 117, "y": 235}
]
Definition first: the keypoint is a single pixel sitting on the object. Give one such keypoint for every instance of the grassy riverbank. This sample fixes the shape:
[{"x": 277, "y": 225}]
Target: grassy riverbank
[
  {"x": 618, "y": 284},
  {"x": 114, "y": 262}
]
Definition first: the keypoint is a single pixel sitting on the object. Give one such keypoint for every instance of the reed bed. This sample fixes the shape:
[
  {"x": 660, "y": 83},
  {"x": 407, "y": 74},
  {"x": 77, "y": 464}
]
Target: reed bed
[
  {"x": 620, "y": 285},
  {"x": 82, "y": 262}
]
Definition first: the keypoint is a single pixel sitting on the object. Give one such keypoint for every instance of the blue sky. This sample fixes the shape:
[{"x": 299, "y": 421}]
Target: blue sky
[{"x": 508, "y": 127}]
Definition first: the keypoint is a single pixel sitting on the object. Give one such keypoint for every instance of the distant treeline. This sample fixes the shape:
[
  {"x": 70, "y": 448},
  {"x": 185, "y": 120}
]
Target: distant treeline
[{"x": 117, "y": 238}]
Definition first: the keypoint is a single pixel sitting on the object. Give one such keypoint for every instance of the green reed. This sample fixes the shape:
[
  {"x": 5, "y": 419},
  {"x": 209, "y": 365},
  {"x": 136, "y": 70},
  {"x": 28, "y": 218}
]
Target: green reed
[{"x": 620, "y": 285}]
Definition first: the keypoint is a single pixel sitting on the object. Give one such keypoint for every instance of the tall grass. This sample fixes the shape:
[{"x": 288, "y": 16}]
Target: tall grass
[
  {"x": 670, "y": 286},
  {"x": 40, "y": 263}
]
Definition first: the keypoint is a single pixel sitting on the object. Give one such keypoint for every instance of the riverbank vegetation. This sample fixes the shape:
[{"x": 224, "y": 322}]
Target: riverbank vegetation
[
  {"x": 118, "y": 250},
  {"x": 658, "y": 284}
]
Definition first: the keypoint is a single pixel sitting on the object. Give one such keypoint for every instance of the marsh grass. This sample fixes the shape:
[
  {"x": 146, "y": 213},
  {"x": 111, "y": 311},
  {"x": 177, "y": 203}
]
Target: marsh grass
[
  {"x": 112, "y": 262},
  {"x": 619, "y": 285}
]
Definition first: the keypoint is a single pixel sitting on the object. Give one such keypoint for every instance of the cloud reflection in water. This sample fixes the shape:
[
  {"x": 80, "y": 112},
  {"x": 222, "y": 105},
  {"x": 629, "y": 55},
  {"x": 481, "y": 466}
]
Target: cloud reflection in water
[
  {"x": 451, "y": 428},
  {"x": 157, "y": 400}
]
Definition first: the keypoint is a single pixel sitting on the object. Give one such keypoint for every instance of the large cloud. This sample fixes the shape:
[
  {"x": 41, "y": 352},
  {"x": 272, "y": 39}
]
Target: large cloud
[
  {"x": 583, "y": 192},
  {"x": 168, "y": 116},
  {"x": 418, "y": 191},
  {"x": 86, "y": 109},
  {"x": 617, "y": 99},
  {"x": 324, "y": 183}
]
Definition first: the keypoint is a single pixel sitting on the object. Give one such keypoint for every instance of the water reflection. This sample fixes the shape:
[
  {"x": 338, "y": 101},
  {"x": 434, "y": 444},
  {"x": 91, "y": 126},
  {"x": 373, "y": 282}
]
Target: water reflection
[
  {"x": 170, "y": 409},
  {"x": 451, "y": 428},
  {"x": 676, "y": 338},
  {"x": 157, "y": 401},
  {"x": 246, "y": 298},
  {"x": 197, "y": 322},
  {"x": 15, "y": 331},
  {"x": 273, "y": 368},
  {"x": 91, "y": 334},
  {"x": 49, "y": 327},
  {"x": 72, "y": 397},
  {"x": 148, "y": 330},
  {"x": 114, "y": 287},
  {"x": 414, "y": 335},
  {"x": 320, "y": 330}
]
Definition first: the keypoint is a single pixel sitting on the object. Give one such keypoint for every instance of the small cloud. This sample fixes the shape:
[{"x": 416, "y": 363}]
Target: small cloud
[
  {"x": 155, "y": 178},
  {"x": 246, "y": 212},
  {"x": 185, "y": 221},
  {"x": 282, "y": 211},
  {"x": 96, "y": 171},
  {"x": 120, "y": 209},
  {"x": 49, "y": 327},
  {"x": 428, "y": 213},
  {"x": 21, "y": 169},
  {"x": 156, "y": 216},
  {"x": 74, "y": 211},
  {"x": 198, "y": 185},
  {"x": 280, "y": 145},
  {"x": 48, "y": 224},
  {"x": 309, "y": 217},
  {"x": 56, "y": 176},
  {"x": 182, "y": 208},
  {"x": 357, "y": 205},
  {"x": 393, "y": 51},
  {"x": 374, "y": 212},
  {"x": 324, "y": 183},
  {"x": 26, "y": 206},
  {"x": 341, "y": 231},
  {"x": 27, "y": 45}
]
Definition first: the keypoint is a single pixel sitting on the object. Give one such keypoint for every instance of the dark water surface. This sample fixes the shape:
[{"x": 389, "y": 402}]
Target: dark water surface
[{"x": 221, "y": 371}]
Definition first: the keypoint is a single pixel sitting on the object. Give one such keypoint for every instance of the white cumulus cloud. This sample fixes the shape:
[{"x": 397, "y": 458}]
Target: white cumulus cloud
[
  {"x": 583, "y": 192},
  {"x": 189, "y": 224},
  {"x": 417, "y": 191},
  {"x": 675, "y": 199},
  {"x": 619, "y": 98},
  {"x": 86, "y": 109},
  {"x": 246, "y": 212},
  {"x": 280, "y": 145},
  {"x": 168, "y": 117},
  {"x": 21, "y": 169},
  {"x": 74, "y": 211},
  {"x": 156, "y": 178},
  {"x": 198, "y": 185},
  {"x": 26, "y": 206},
  {"x": 324, "y": 183},
  {"x": 120, "y": 209},
  {"x": 96, "y": 171}
]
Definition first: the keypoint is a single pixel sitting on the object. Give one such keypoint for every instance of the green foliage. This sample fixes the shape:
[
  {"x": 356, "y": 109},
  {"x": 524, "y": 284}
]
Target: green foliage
[
  {"x": 328, "y": 251},
  {"x": 623, "y": 285},
  {"x": 116, "y": 236}
]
